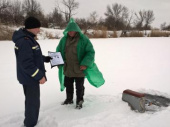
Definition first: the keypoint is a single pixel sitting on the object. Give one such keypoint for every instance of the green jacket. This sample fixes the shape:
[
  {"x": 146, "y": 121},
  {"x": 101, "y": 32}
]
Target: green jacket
[{"x": 85, "y": 54}]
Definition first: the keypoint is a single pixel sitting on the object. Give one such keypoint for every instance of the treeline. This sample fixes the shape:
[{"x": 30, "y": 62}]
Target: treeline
[{"x": 117, "y": 16}]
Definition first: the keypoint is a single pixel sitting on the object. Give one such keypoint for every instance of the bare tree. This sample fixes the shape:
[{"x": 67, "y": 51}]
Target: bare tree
[
  {"x": 31, "y": 7},
  {"x": 93, "y": 19},
  {"x": 149, "y": 18},
  {"x": 167, "y": 27},
  {"x": 83, "y": 24},
  {"x": 4, "y": 10},
  {"x": 163, "y": 26},
  {"x": 4, "y": 4},
  {"x": 117, "y": 13},
  {"x": 56, "y": 18},
  {"x": 128, "y": 23},
  {"x": 17, "y": 12},
  {"x": 70, "y": 7},
  {"x": 140, "y": 17},
  {"x": 129, "y": 20}
]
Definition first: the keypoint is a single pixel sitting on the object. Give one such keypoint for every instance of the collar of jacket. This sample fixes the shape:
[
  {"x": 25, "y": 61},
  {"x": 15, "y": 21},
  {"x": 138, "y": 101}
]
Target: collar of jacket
[{"x": 28, "y": 33}]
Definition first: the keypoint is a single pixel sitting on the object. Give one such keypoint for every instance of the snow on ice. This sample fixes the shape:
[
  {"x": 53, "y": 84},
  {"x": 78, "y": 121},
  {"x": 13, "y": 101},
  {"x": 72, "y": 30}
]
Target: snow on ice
[{"x": 139, "y": 64}]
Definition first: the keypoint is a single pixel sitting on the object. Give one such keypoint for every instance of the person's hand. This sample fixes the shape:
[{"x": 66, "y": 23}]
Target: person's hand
[
  {"x": 82, "y": 68},
  {"x": 43, "y": 80},
  {"x": 47, "y": 59}
]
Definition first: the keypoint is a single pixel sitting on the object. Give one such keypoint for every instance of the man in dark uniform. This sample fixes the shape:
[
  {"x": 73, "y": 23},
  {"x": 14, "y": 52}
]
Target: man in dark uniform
[{"x": 30, "y": 67}]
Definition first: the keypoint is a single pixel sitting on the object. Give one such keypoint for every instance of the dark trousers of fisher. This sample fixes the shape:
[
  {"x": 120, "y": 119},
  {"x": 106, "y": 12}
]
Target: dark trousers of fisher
[{"x": 69, "y": 84}]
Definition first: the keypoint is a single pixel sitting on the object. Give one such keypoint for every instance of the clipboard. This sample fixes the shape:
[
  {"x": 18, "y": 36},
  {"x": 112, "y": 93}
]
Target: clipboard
[{"x": 56, "y": 59}]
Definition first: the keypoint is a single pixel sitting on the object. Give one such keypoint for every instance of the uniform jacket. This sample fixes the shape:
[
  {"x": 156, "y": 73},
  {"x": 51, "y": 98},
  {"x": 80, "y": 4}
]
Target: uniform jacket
[
  {"x": 29, "y": 58},
  {"x": 85, "y": 54}
]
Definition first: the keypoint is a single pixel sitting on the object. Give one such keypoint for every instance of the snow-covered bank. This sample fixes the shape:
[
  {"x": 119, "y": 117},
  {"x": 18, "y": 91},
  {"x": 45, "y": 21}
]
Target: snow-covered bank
[{"x": 141, "y": 64}]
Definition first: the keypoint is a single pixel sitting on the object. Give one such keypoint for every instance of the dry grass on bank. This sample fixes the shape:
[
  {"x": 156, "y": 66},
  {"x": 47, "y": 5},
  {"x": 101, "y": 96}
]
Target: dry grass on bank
[
  {"x": 98, "y": 33},
  {"x": 5, "y": 33},
  {"x": 158, "y": 33},
  {"x": 136, "y": 34}
]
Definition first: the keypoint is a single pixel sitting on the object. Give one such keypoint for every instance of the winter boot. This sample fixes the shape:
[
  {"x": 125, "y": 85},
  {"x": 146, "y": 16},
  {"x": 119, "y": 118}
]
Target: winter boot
[
  {"x": 67, "y": 101},
  {"x": 79, "y": 104}
]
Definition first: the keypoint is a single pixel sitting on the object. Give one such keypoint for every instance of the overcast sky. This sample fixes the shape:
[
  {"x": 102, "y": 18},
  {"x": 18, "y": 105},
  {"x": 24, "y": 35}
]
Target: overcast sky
[{"x": 161, "y": 8}]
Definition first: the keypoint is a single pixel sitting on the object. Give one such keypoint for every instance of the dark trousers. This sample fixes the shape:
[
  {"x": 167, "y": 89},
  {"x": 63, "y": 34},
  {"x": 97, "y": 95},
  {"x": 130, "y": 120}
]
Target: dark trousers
[
  {"x": 32, "y": 104},
  {"x": 68, "y": 83}
]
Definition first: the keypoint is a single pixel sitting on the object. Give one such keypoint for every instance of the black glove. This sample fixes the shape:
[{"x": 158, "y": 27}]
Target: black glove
[{"x": 47, "y": 59}]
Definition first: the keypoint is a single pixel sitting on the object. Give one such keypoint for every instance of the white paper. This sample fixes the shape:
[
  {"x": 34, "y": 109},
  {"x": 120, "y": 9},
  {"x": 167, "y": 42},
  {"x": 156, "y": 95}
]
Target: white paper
[{"x": 56, "y": 58}]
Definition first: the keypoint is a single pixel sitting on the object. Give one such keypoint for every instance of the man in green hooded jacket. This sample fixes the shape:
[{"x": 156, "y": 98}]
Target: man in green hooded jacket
[{"x": 78, "y": 54}]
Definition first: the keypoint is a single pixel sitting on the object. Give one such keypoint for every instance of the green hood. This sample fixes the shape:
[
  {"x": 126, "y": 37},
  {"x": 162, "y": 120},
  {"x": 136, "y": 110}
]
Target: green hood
[{"x": 72, "y": 26}]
